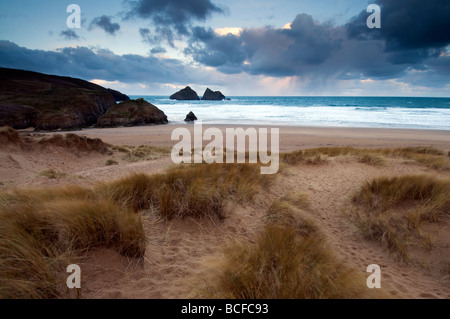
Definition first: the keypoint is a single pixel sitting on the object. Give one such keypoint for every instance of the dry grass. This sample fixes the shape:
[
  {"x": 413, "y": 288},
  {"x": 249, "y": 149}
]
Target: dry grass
[
  {"x": 428, "y": 156},
  {"x": 303, "y": 156},
  {"x": 195, "y": 191},
  {"x": 110, "y": 162},
  {"x": 422, "y": 150},
  {"x": 393, "y": 211},
  {"x": 143, "y": 152},
  {"x": 372, "y": 159},
  {"x": 43, "y": 230},
  {"x": 76, "y": 142},
  {"x": 122, "y": 149},
  {"x": 9, "y": 135},
  {"x": 289, "y": 212},
  {"x": 52, "y": 174},
  {"x": 290, "y": 260}
]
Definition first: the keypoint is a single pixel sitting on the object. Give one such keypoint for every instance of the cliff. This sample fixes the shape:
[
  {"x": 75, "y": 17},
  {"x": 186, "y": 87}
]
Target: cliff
[{"x": 48, "y": 102}]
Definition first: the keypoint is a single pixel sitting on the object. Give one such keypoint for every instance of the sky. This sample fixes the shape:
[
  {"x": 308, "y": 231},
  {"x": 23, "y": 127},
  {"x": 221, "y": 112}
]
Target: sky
[{"x": 251, "y": 47}]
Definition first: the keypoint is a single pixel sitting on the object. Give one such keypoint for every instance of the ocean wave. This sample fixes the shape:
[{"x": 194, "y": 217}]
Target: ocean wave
[
  {"x": 373, "y": 108},
  {"x": 429, "y": 113}
]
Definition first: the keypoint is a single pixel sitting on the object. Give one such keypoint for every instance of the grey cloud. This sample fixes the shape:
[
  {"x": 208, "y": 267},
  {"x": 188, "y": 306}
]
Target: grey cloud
[
  {"x": 85, "y": 63},
  {"x": 177, "y": 14},
  {"x": 171, "y": 20},
  {"x": 407, "y": 24},
  {"x": 150, "y": 38},
  {"x": 69, "y": 35},
  {"x": 310, "y": 49},
  {"x": 269, "y": 51},
  {"x": 158, "y": 36},
  {"x": 146, "y": 35},
  {"x": 157, "y": 50},
  {"x": 217, "y": 51},
  {"x": 104, "y": 22}
]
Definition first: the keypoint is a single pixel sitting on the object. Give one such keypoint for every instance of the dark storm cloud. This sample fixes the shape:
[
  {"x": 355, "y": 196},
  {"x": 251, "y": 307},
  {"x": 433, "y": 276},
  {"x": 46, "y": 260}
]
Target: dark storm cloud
[
  {"x": 105, "y": 23},
  {"x": 407, "y": 24},
  {"x": 320, "y": 50},
  {"x": 268, "y": 51},
  {"x": 69, "y": 35},
  {"x": 224, "y": 52},
  {"x": 176, "y": 14},
  {"x": 441, "y": 66},
  {"x": 85, "y": 63}
]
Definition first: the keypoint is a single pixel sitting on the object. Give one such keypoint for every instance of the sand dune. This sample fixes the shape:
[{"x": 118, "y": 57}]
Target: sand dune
[
  {"x": 291, "y": 137},
  {"x": 180, "y": 251}
]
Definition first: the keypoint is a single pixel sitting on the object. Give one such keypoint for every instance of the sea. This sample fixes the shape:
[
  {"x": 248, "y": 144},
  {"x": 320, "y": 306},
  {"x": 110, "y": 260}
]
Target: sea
[{"x": 364, "y": 112}]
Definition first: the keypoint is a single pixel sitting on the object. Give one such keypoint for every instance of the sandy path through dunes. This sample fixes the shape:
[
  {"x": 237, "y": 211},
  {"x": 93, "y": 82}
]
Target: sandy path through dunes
[
  {"x": 177, "y": 254},
  {"x": 176, "y": 260},
  {"x": 330, "y": 187}
]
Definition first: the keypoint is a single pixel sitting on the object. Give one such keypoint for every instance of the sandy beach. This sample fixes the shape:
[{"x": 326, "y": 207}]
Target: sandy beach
[{"x": 291, "y": 137}]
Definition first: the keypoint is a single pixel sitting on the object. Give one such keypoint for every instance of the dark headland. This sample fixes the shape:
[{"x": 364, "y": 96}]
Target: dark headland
[{"x": 49, "y": 102}]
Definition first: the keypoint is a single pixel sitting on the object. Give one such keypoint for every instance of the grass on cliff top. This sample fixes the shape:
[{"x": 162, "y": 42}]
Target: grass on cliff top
[
  {"x": 290, "y": 259},
  {"x": 44, "y": 230}
]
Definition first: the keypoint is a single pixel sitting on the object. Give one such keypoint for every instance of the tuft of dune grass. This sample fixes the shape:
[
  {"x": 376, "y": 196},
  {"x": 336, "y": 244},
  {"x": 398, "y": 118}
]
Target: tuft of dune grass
[
  {"x": 422, "y": 150},
  {"x": 9, "y": 135},
  {"x": 43, "y": 230},
  {"x": 380, "y": 203},
  {"x": 303, "y": 156},
  {"x": 289, "y": 260},
  {"x": 428, "y": 156},
  {"x": 121, "y": 149},
  {"x": 372, "y": 159},
  {"x": 76, "y": 143},
  {"x": 52, "y": 174},
  {"x": 196, "y": 191},
  {"x": 110, "y": 162},
  {"x": 39, "y": 235},
  {"x": 143, "y": 152}
]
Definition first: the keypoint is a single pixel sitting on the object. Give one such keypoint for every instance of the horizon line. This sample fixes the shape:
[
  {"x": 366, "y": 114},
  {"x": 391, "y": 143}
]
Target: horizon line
[{"x": 319, "y": 96}]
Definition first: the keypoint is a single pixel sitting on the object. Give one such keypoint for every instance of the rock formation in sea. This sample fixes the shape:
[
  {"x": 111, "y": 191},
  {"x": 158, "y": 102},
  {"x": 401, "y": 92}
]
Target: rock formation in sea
[
  {"x": 132, "y": 112},
  {"x": 185, "y": 94},
  {"x": 48, "y": 102},
  {"x": 210, "y": 95},
  {"x": 190, "y": 117}
]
